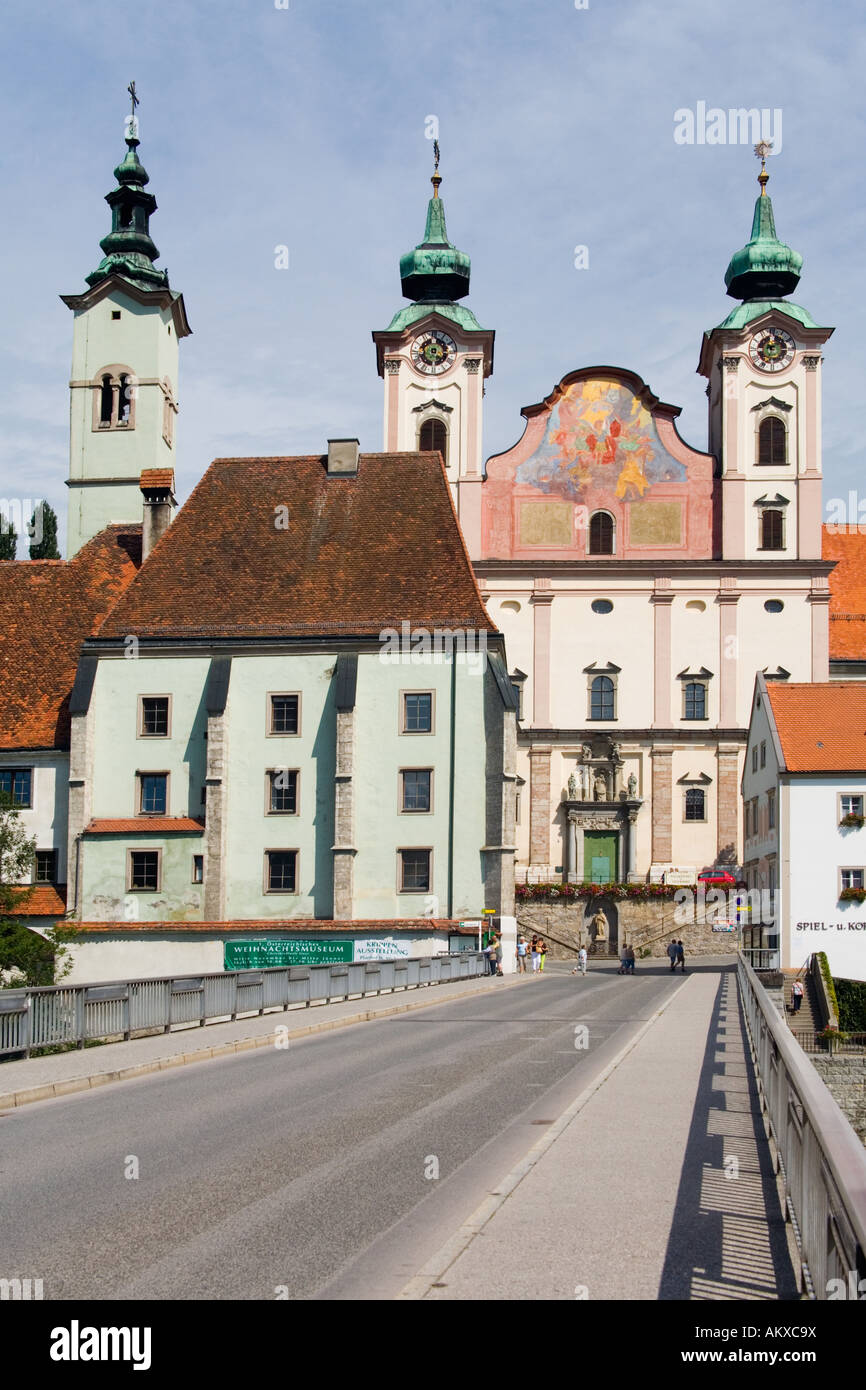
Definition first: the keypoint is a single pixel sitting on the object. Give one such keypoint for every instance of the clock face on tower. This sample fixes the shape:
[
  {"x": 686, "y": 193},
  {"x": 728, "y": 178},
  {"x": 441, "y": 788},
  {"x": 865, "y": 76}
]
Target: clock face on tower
[
  {"x": 772, "y": 350},
  {"x": 433, "y": 352}
]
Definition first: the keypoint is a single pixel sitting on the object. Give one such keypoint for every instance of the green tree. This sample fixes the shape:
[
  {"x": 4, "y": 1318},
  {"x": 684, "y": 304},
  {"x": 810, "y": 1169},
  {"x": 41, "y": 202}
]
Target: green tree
[
  {"x": 43, "y": 529},
  {"x": 41, "y": 958},
  {"x": 8, "y": 538}
]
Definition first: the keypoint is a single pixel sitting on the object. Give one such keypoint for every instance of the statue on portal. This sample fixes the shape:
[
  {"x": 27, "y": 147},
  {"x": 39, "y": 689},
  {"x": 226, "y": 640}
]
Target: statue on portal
[
  {"x": 573, "y": 792},
  {"x": 599, "y": 925},
  {"x": 632, "y": 786},
  {"x": 599, "y": 788}
]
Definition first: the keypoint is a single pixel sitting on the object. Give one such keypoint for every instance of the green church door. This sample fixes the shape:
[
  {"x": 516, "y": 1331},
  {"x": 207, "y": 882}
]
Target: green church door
[{"x": 599, "y": 855}]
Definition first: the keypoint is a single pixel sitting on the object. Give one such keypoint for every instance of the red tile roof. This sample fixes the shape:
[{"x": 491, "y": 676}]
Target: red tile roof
[
  {"x": 47, "y": 607},
  {"x": 420, "y": 926},
  {"x": 358, "y": 553},
  {"x": 43, "y": 900},
  {"x": 822, "y": 727},
  {"x": 847, "y": 591},
  {"x": 144, "y": 825}
]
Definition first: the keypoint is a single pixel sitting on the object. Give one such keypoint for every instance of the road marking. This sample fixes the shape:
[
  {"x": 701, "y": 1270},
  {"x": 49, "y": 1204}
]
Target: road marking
[{"x": 437, "y": 1266}]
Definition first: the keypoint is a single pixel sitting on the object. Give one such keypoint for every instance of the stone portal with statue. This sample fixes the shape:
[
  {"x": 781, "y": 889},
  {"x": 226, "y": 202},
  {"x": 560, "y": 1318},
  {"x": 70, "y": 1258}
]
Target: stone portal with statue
[{"x": 601, "y": 808}]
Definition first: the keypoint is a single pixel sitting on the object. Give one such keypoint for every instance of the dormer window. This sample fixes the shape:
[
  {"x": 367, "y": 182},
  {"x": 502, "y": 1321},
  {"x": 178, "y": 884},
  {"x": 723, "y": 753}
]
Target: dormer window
[{"x": 772, "y": 442}]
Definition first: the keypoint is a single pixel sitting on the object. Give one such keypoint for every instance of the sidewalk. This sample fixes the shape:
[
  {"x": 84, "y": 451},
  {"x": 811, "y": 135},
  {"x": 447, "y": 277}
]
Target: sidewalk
[
  {"x": 657, "y": 1183},
  {"x": 45, "y": 1078}
]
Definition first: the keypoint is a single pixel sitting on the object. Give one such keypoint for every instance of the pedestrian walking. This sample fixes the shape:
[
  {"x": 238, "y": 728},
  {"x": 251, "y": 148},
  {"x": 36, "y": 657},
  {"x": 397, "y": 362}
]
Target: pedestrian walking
[
  {"x": 535, "y": 955},
  {"x": 581, "y": 962},
  {"x": 681, "y": 956},
  {"x": 672, "y": 954},
  {"x": 623, "y": 960},
  {"x": 797, "y": 993},
  {"x": 498, "y": 955},
  {"x": 542, "y": 949},
  {"x": 490, "y": 953},
  {"x": 629, "y": 959},
  {"x": 521, "y": 955}
]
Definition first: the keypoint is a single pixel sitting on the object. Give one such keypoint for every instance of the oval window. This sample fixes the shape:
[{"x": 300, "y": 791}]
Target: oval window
[
  {"x": 774, "y": 605},
  {"x": 601, "y": 605},
  {"x": 511, "y": 605},
  {"x": 696, "y": 605}
]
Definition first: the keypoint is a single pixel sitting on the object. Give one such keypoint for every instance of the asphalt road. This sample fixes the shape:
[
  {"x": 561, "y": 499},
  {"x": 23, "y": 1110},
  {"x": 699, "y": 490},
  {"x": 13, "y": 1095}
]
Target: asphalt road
[{"x": 306, "y": 1172}]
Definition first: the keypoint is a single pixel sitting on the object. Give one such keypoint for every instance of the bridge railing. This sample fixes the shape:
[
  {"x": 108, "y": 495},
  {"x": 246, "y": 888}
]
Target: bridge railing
[
  {"x": 821, "y": 1159},
  {"x": 62, "y": 1014}
]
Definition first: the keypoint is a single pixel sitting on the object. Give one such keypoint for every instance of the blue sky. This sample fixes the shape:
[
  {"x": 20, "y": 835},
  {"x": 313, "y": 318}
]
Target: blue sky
[{"x": 305, "y": 126}]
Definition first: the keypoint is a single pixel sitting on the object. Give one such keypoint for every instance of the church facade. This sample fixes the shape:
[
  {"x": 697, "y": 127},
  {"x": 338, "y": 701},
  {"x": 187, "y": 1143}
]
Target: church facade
[{"x": 640, "y": 583}]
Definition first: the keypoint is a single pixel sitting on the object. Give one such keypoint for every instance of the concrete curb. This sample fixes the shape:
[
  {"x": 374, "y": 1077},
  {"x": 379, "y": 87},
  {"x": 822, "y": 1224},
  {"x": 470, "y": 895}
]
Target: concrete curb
[
  {"x": 53, "y": 1090},
  {"x": 436, "y": 1267}
]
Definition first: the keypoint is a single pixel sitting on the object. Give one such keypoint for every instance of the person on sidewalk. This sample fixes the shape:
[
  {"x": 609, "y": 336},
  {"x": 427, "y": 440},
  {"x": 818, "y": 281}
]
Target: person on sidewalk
[
  {"x": 490, "y": 953},
  {"x": 542, "y": 951},
  {"x": 681, "y": 956},
  {"x": 521, "y": 955},
  {"x": 498, "y": 955},
  {"x": 581, "y": 962},
  {"x": 672, "y": 954},
  {"x": 623, "y": 960},
  {"x": 797, "y": 993},
  {"x": 535, "y": 955},
  {"x": 629, "y": 959}
]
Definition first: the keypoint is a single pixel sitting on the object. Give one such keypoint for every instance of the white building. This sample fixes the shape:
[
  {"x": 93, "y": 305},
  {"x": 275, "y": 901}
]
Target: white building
[{"x": 804, "y": 802}]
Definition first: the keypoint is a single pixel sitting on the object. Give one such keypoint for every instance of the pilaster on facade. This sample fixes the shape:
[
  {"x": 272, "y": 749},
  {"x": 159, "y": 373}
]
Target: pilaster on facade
[
  {"x": 80, "y": 807},
  {"x": 819, "y": 601},
  {"x": 728, "y": 802},
  {"x": 727, "y": 600},
  {"x": 540, "y": 601},
  {"x": 214, "y": 895},
  {"x": 662, "y": 802},
  {"x": 344, "y": 848},
  {"x": 661, "y": 599},
  {"x": 539, "y": 805}
]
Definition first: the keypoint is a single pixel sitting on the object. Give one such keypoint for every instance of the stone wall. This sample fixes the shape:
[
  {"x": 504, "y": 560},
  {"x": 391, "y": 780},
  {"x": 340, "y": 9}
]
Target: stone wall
[
  {"x": 565, "y": 927},
  {"x": 845, "y": 1079}
]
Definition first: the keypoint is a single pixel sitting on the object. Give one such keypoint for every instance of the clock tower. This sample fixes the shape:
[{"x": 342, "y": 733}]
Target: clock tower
[
  {"x": 434, "y": 357},
  {"x": 763, "y": 363}
]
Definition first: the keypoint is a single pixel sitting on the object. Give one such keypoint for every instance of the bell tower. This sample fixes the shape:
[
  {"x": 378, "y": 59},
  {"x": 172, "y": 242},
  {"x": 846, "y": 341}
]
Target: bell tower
[
  {"x": 434, "y": 357},
  {"x": 126, "y": 330},
  {"x": 763, "y": 363}
]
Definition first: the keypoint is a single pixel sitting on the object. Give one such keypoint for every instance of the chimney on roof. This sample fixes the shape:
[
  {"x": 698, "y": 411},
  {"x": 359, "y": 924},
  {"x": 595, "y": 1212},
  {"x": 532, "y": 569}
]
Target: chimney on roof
[
  {"x": 157, "y": 489},
  {"x": 343, "y": 457}
]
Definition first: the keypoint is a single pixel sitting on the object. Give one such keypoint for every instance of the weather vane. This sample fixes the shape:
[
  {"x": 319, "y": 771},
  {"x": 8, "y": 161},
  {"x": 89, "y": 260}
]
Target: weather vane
[{"x": 762, "y": 149}]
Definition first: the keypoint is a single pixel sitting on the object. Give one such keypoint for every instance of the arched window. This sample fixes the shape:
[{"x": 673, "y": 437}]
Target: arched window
[
  {"x": 601, "y": 698},
  {"x": 695, "y": 700},
  {"x": 433, "y": 438},
  {"x": 601, "y": 533},
  {"x": 772, "y": 529},
  {"x": 695, "y": 804},
  {"x": 105, "y": 401},
  {"x": 124, "y": 401},
  {"x": 772, "y": 441}
]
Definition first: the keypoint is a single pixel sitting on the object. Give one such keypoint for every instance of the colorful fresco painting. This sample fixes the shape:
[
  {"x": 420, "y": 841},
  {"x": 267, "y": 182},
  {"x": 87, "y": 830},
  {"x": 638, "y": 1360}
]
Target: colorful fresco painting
[{"x": 599, "y": 431}]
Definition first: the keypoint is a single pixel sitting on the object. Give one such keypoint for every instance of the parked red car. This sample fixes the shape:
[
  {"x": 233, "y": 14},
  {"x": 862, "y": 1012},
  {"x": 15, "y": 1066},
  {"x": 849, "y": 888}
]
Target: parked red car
[{"x": 721, "y": 878}]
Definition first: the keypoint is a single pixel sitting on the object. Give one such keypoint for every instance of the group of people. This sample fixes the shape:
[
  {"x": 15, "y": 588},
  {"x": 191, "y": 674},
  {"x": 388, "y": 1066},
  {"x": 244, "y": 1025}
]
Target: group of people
[
  {"x": 677, "y": 955},
  {"x": 493, "y": 952},
  {"x": 626, "y": 960},
  {"x": 534, "y": 951}
]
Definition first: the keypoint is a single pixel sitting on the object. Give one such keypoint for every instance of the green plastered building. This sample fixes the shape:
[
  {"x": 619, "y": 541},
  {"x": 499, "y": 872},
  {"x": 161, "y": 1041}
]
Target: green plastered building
[{"x": 297, "y": 717}]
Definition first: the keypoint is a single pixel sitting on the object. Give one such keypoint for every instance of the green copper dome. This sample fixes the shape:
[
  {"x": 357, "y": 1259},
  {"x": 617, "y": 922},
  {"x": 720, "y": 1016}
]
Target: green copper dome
[
  {"x": 129, "y": 248},
  {"x": 765, "y": 268},
  {"x": 435, "y": 271}
]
